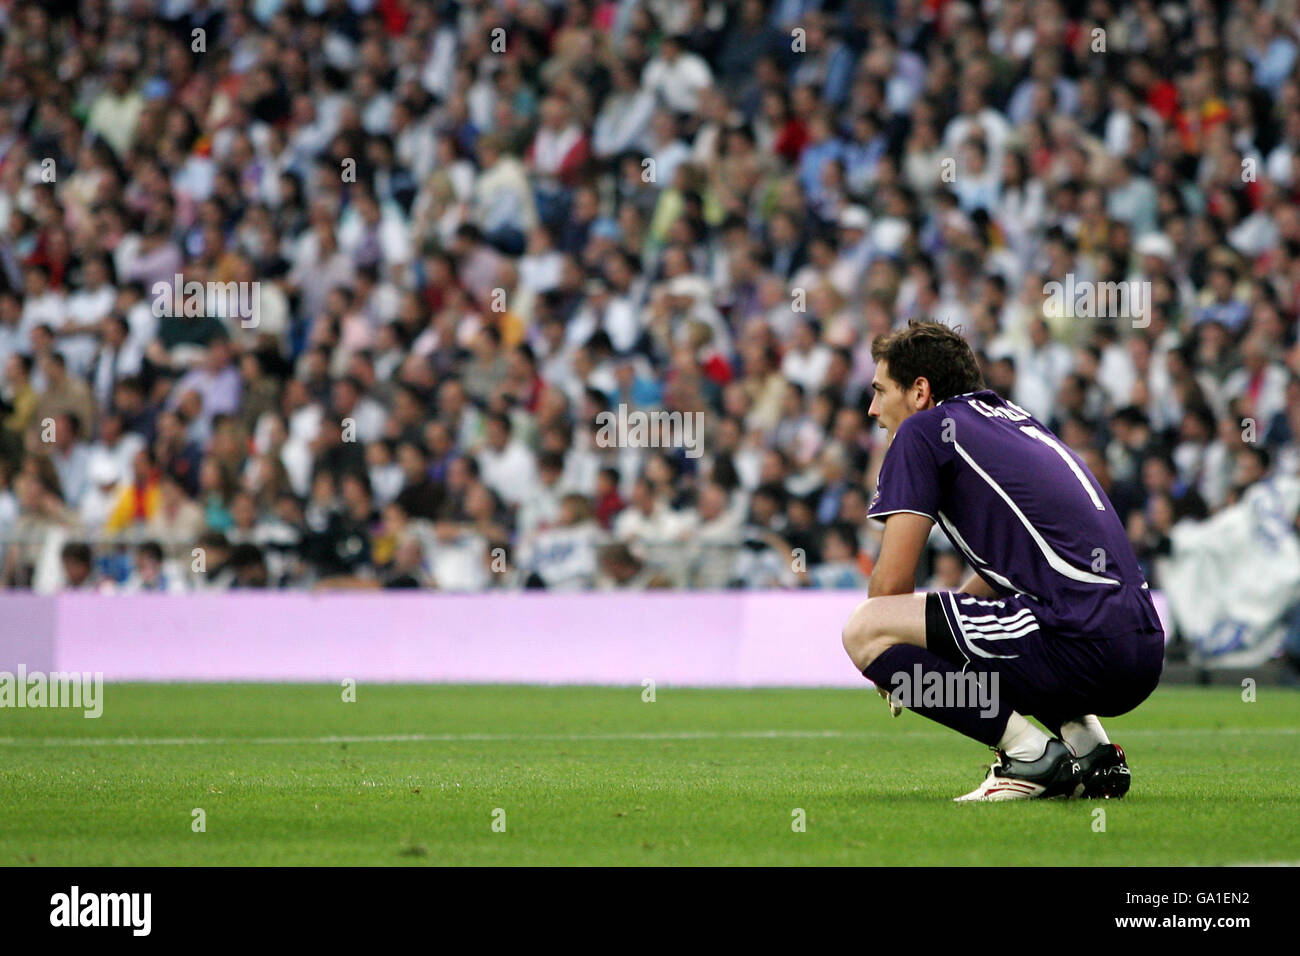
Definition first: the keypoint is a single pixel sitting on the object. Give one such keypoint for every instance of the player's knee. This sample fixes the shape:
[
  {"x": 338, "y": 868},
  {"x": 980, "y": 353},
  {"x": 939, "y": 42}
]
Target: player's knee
[{"x": 863, "y": 638}]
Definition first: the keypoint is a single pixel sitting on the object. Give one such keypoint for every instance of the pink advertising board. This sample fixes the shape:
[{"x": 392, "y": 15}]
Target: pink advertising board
[{"x": 741, "y": 639}]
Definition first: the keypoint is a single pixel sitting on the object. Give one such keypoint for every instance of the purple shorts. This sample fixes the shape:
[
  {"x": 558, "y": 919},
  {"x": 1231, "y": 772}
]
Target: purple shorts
[{"x": 1041, "y": 673}]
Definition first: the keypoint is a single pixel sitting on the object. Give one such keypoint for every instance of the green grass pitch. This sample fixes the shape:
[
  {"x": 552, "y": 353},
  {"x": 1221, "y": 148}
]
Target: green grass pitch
[{"x": 292, "y": 774}]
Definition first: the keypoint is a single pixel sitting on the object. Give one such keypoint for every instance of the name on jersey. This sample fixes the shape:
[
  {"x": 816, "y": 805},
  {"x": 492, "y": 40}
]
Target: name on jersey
[{"x": 1011, "y": 412}]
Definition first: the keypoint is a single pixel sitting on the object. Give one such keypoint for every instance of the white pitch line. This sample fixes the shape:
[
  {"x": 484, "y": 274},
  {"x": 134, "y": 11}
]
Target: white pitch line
[
  {"x": 575, "y": 738},
  {"x": 436, "y": 738},
  {"x": 1268, "y": 863}
]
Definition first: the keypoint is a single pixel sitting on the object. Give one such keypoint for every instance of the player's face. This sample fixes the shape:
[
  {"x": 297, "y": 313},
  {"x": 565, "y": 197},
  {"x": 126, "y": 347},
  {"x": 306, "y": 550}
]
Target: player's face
[{"x": 891, "y": 404}]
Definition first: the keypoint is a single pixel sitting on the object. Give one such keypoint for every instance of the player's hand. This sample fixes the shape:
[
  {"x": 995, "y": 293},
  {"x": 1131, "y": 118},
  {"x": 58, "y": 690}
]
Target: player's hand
[{"x": 895, "y": 708}]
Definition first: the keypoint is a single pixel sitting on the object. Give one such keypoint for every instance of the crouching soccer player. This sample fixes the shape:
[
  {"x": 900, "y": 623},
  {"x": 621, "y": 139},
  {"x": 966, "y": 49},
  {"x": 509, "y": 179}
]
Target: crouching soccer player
[{"x": 1056, "y": 620}]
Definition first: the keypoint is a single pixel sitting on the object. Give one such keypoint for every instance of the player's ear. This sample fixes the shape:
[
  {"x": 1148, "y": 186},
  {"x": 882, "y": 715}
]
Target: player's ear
[{"x": 921, "y": 396}]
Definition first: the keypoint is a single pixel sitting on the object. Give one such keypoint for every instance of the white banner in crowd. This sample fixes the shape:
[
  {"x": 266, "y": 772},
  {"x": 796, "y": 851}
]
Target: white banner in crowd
[{"x": 1233, "y": 578}]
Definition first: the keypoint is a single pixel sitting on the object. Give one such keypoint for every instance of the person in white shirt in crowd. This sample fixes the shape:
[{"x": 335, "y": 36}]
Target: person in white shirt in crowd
[
  {"x": 649, "y": 521},
  {"x": 563, "y": 557},
  {"x": 1041, "y": 366},
  {"x": 71, "y": 458},
  {"x": 839, "y": 568},
  {"x": 508, "y": 467},
  {"x": 676, "y": 76},
  {"x": 806, "y": 361},
  {"x": 623, "y": 124},
  {"x": 977, "y": 116},
  {"x": 364, "y": 418},
  {"x": 540, "y": 265},
  {"x": 117, "y": 357},
  {"x": 503, "y": 196},
  {"x": 540, "y": 508},
  {"x": 458, "y": 550},
  {"x": 115, "y": 445},
  {"x": 667, "y": 151},
  {"x": 712, "y": 534},
  {"x": 374, "y": 234},
  {"x": 12, "y": 341},
  {"x": 86, "y": 308},
  {"x": 104, "y": 485},
  {"x": 42, "y": 305},
  {"x": 1260, "y": 384}
]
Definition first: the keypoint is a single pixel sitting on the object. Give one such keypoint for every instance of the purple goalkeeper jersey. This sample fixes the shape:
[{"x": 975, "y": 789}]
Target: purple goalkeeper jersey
[{"x": 1023, "y": 508}]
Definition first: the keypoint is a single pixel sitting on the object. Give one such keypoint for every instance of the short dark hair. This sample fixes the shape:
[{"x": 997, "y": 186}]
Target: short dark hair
[
  {"x": 933, "y": 351},
  {"x": 1260, "y": 453},
  {"x": 77, "y": 551},
  {"x": 151, "y": 549}
]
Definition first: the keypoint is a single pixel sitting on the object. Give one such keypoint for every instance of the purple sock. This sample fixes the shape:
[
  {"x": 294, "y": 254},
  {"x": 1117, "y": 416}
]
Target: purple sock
[{"x": 924, "y": 682}]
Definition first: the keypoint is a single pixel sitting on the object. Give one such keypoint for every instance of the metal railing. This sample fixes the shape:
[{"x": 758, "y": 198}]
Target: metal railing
[{"x": 679, "y": 564}]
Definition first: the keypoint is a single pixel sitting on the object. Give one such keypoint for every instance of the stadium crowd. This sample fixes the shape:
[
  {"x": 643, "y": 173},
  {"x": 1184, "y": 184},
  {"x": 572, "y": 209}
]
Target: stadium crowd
[{"x": 461, "y": 230}]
